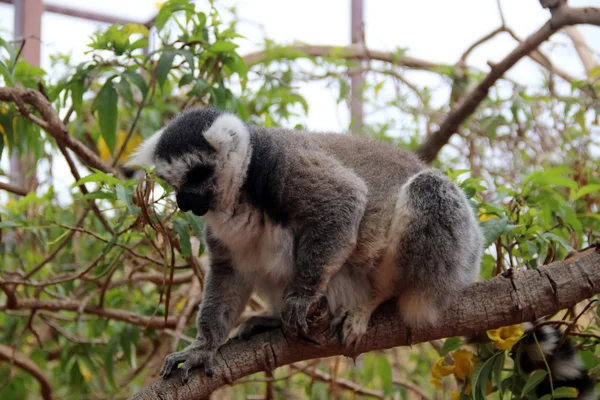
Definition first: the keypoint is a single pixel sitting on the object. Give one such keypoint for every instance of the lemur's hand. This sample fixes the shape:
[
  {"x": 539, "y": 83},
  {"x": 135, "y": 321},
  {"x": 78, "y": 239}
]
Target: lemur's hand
[{"x": 196, "y": 354}]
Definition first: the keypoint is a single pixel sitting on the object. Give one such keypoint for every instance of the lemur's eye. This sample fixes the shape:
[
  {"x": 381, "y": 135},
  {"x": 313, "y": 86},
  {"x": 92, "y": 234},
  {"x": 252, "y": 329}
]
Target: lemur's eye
[{"x": 199, "y": 173}]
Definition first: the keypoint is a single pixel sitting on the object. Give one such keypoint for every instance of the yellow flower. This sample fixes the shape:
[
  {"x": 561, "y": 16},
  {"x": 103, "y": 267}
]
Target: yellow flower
[
  {"x": 464, "y": 363},
  {"x": 485, "y": 217},
  {"x": 454, "y": 394},
  {"x": 504, "y": 338},
  {"x": 439, "y": 370},
  {"x": 106, "y": 154},
  {"x": 4, "y": 110}
]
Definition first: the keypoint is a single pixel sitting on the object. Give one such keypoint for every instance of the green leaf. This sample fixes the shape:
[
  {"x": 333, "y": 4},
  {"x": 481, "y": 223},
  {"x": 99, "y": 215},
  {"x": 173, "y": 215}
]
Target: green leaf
[
  {"x": 181, "y": 229},
  {"x": 587, "y": 189},
  {"x": 9, "y": 224},
  {"x": 368, "y": 368},
  {"x": 450, "y": 345},
  {"x": 384, "y": 369},
  {"x": 77, "y": 90},
  {"x": 76, "y": 378},
  {"x": 124, "y": 89},
  {"x": 137, "y": 80},
  {"x": 344, "y": 90},
  {"x": 196, "y": 224},
  {"x": 561, "y": 181},
  {"x": 187, "y": 78},
  {"x": 99, "y": 195},
  {"x": 494, "y": 228},
  {"x": 481, "y": 375},
  {"x": 97, "y": 177},
  {"x": 497, "y": 372},
  {"x": 164, "y": 66},
  {"x": 189, "y": 57},
  {"x": 200, "y": 88},
  {"x": 125, "y": 194},
  {"x": 106, "y": 106},
  {"x": 565, "y": 392},
  {"x": 222, "y": 46},
  {"x": 139, "y": 44},
  {"x": 535, "y": 379},
  {"x": 8, "y": 77}
]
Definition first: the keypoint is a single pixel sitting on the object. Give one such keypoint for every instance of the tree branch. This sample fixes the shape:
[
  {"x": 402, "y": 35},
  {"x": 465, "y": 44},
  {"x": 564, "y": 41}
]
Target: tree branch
[
  {"x": 9, "y": 354},
  {"x": 77, "y": 306},
  {"x": 349, "y": 52},
  {"x": 13, "y": 189},
  {"x": 52, "y": 124},
  {"x": 561, "y": 17},
  {"x": 582, "y": 48},
  {"x": 520, "y": 296}
]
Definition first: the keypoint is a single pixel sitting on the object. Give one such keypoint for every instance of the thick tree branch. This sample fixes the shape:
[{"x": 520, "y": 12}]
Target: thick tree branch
[
  {"x": 22, "y": 361},
  {"x": 561, "y": 17},
  {"x": 504, "y": 300},
  {"x": 51, "y": 123}
]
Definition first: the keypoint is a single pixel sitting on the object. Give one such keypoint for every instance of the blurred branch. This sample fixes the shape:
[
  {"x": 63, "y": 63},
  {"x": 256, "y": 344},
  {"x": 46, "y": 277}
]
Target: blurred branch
[
  {"x": 354, "y": 387},
  {"x": 512, "y": 298},
  {"x": 349, "y": 52},
  {"x": 51, "y": 123},
  {"x": 581, "y": 47},
  {"x": 561, "y": 16},
  {"x": 9, "y": 354},
  {"x": 463, "y": 59},
  {"x": 13, "y": 189},
  {"x": 109, "y": 313}
]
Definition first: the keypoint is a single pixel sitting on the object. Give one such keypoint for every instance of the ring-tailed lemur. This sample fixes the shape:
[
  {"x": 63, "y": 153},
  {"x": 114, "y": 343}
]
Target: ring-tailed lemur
[
  {"x": 543, "y": 348},
  {"x": 300, "y": 217}
]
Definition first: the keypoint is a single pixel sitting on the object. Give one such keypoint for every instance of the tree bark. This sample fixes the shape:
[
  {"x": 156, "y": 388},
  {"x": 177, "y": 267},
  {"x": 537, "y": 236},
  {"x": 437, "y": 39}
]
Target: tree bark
[{"x": 515, "y": 297}]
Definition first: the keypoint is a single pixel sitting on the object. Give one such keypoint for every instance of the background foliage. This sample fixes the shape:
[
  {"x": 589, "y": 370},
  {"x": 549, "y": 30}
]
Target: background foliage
[{"x": 101, "y": 296}]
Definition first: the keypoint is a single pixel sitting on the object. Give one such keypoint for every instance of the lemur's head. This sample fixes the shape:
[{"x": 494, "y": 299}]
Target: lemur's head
[{"x": 203, "y": 153}]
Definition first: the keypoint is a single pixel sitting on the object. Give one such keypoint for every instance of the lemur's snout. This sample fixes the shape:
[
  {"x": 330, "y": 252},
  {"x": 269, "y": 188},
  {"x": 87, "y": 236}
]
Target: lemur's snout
[
  {"x": 198, "y": 203},
  {"x": 185, "y": 200}
]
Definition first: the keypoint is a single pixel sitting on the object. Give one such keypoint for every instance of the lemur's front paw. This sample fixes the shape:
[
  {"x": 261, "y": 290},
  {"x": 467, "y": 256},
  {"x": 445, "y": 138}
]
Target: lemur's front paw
[
  {"x": 193, "y": 356},
  {"x": 298, "y": 310}
]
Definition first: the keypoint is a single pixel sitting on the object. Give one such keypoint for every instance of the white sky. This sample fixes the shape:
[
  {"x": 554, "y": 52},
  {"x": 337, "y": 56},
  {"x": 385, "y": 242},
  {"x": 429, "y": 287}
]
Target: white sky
[{"x": 435, "y": 30}]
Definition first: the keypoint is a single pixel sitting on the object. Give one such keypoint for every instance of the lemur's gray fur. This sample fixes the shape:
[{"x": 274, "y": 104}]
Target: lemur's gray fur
[{"x": 297, "y": 216}]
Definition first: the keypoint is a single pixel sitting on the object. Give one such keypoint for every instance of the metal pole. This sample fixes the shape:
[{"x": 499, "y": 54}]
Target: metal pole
[
  {"x": 357, "y": 34},
  {"x": 28, "y": 27}
]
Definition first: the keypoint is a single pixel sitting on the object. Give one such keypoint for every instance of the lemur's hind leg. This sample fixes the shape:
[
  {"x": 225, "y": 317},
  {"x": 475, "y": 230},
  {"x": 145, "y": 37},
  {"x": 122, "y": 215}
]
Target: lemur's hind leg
[{"x": 352, "y": 300}]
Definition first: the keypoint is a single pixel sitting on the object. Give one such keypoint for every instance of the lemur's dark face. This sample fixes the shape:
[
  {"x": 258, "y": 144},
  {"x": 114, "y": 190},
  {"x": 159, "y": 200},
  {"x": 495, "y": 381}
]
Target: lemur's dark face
[
  {"x": 186, "y": 161},
  {"x": 197, "y": 190},
  {"x": 203, "y": 154}
]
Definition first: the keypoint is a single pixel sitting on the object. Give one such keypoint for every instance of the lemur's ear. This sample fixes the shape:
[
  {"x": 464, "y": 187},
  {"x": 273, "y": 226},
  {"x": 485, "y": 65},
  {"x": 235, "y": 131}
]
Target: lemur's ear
[
  {"x": 145, "y": 152},
  {"x": 226, "y": 133}
]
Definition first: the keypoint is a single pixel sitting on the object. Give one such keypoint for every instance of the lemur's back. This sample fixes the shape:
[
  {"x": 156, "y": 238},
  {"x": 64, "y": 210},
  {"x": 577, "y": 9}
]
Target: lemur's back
[{"x": 382, "y": 166}]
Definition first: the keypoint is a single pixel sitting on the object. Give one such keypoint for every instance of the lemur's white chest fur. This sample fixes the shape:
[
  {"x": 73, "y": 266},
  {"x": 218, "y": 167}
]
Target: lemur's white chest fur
[{"x": 261, "y": 249}]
